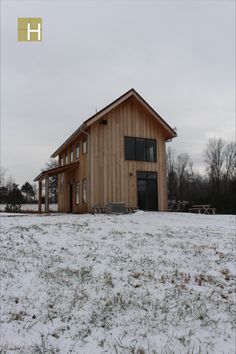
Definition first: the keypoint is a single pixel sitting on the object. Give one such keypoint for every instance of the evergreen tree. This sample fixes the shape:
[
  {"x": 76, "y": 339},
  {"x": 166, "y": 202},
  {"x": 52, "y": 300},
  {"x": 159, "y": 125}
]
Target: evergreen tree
[
  {"x": 28, "y": 190},
  {"x": 14, "y": 199}
]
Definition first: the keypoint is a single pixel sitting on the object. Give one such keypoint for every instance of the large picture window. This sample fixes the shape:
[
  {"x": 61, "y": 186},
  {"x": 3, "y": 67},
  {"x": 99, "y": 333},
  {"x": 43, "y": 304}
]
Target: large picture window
[{"x": 140, "y": 149}]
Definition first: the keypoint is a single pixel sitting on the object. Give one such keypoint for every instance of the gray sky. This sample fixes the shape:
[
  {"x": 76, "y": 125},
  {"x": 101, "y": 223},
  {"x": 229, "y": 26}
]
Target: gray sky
[{"x": 179, "y": 55}]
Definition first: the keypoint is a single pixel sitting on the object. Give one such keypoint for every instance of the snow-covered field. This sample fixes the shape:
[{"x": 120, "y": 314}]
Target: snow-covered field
[{"x": 140, "y": 283}]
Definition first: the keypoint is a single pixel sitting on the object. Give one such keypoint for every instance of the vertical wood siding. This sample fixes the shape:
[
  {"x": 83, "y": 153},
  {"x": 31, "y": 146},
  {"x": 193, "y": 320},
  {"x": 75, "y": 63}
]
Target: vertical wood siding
[{"x": 113, "y": 179}]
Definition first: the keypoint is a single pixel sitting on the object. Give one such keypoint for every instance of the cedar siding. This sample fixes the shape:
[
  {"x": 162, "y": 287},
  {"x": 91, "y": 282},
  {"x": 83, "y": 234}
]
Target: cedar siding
[{"x": 112, "y": 177}]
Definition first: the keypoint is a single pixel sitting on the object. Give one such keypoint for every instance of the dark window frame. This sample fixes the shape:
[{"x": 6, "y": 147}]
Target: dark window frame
[{"x": 146, "y": 140}]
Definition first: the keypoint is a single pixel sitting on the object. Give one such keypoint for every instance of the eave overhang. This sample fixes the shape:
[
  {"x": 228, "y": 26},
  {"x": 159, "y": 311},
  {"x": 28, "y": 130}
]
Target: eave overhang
[{"x": 56, "y": 171}]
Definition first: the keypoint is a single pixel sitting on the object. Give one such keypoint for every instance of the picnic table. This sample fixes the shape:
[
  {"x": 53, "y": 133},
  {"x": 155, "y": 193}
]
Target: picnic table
[{"x": 202, "y": 209}]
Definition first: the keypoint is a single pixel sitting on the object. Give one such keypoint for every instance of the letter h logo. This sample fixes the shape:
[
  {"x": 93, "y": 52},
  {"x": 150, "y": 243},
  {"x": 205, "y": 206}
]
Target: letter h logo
[{"x": 29, "y": 29}]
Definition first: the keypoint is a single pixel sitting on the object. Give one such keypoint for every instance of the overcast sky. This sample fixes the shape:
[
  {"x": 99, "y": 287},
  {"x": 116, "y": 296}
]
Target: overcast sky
[{"x": 179, "y": 55}]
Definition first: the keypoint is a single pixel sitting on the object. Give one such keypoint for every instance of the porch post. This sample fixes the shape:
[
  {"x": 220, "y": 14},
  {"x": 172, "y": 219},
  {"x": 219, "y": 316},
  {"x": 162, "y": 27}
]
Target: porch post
[
  {"x": 40, "y": 197},
  {"x": 46, "y": 194}
]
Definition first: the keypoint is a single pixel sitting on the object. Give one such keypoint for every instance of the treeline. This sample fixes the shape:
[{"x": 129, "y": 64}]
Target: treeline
[
  {"x": 216, "y": 186},
  {"x": 14, "y": 196}
]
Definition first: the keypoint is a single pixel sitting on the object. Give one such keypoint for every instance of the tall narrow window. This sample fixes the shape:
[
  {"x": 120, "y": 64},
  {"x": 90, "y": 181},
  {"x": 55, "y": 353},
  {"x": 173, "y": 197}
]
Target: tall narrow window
[
  {"x": 84, "y": 195},
  {"x": 72, "y": 156},
  {"x": 84, "y": 146},
  {"x": 61, "y": 182},
  {"x": 61, "y": 161},
  {"x": 66, "y": 158},
  {"x": 77, "y": 151},
  {"x": 151, "y": 150},
  {"x": 77, "y": 193}
]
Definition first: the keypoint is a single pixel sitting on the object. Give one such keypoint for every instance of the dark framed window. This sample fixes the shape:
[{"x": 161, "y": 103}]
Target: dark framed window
[
  {"x": 140, "y": 149},
  {"x": 151, "y": 150},
  {"x": 129, "y": 148}
]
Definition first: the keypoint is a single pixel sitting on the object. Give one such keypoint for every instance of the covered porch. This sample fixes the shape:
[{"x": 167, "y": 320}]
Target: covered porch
[{"x": 45, "y": 175}]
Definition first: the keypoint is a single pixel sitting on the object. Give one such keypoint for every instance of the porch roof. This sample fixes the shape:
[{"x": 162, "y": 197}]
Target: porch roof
[{"x": 56, "y": 171}]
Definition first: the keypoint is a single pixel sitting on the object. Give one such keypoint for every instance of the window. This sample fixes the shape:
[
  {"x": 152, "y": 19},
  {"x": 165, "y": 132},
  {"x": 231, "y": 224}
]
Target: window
[
  {"x": 77, "y": 151},
  {"x": 77, "y": 193},
  {"x": 71, "y": 156},
  {"x": 84, "y": 146},
  {"x": 66, "y": 159},
  {"x": 84, "y": 195},
  {"x": 61, "y": 182},
  {"x": 61, "y": 161},
  {"x": 151, "y": 150},
  {"x": 140, "y": 149},
  {"x": 129, "y": 148}
]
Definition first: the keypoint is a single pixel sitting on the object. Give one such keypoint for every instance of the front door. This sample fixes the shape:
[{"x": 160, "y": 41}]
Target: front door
[
  {"x": 147, "y": 190},
  {"x": 71, "y": 198}
]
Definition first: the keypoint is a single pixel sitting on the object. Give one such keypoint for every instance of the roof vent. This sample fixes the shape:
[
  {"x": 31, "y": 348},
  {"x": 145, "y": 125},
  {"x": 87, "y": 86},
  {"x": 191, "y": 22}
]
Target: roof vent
[{"x": 103, "y": 121}]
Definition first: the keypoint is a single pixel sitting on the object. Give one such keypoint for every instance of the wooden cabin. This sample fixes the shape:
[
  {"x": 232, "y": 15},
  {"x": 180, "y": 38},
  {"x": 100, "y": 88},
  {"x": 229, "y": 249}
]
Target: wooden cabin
[{"x": 117, "y": 155}]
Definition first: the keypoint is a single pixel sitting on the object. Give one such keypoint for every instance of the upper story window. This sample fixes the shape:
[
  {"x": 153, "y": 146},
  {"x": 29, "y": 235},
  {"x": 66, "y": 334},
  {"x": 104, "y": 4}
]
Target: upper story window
[
  {"x": 66, "y": 158},
  {"x": 140, "y": 149},
  {"x": 72, "y": 156},
  {"x": 84, "y": 146},
  {"x": 61, "y": 161},
  {"x": 77, "y": 151}
]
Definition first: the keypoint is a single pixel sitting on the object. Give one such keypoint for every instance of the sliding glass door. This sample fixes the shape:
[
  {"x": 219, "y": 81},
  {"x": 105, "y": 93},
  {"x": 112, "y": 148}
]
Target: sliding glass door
[{"x": 147, "y": 190}]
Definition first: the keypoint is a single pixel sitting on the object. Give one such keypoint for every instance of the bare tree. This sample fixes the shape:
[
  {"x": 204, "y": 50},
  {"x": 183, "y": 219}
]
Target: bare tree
[
  {"x": 230, "y": 162},
  {"x": 182, "y": 170},
  {"x": 214, "y": 158},
  {"x": 53, "y": 181},
  {"x": 171, "y": 173},
  {"x": 10, "y": 183},
  {"x": 3, "y": 172}
]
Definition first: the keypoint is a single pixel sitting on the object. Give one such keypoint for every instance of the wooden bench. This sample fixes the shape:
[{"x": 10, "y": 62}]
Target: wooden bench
[
  {"x": 99, "y": 210},
  {"x": 202, "y": 209},
  {"x": 194, "y": 210},
  {"x": 213, "y": 210}
]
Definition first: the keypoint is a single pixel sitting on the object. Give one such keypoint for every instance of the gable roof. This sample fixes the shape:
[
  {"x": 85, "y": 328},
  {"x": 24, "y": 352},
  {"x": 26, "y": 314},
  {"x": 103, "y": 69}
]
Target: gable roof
[{"x": 170, "y": 132}]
